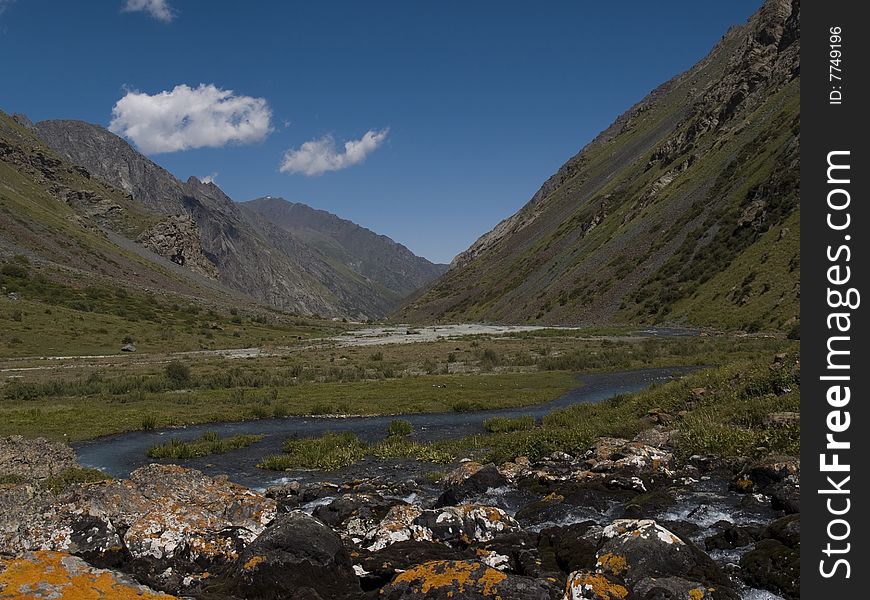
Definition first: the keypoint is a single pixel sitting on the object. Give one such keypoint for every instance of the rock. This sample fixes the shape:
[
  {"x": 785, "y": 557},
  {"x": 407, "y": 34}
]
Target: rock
[
  {"x": 483, "y": 479},
  {"x": 397, "y": 526},
  {"x": 516, "y": 468},
  {"x": 778, "y": 420},
  {"x": 697, "y": 394},
  {"x": 376, "y": 569},
  {"x": 634, "y": 550},
  {"x": 443, "y": 580},
  {"x": 729, "y": 536},
  {"x": 296, "y": 552},
  {"x": 34, "y": 458},
  {"x": 656, "y": 437},
  {"x": 466, "y": 523},
  {"x": 786, "y": 530},
  {"x": 128, "y": 348},
  {"x": 461, "y": 473},
  {"x": 178, "y": 239},
  {"x": 356, "y": 514},
  {"x": 588, "y": 585},
  {"x": 48, "y": 575},
  {"x": 570, "y": 547},
  {"x": 648, "y": 505},
  {"x": 785, "y": 496},
  {"x": 516, "y": 551},
  {"x": 166, "y": 524},
  {"x": 773, "y": 566},
  {"x": 668, "y": 588}
]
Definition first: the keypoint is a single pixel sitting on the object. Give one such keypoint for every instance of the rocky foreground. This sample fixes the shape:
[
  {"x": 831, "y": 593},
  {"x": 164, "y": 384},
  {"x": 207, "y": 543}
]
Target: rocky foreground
[{"x": 623, "y": 522}]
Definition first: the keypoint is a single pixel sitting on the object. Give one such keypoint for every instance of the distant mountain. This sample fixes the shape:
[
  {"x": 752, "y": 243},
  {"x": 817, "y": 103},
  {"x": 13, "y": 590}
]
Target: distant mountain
[
  {"x": 685, "y": 210},
  {"x": 242, "y": 249},
  {"x": 373, "y": 256}
]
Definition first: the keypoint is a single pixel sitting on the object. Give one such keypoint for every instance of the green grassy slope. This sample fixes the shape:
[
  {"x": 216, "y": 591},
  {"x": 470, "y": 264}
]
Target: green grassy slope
[{"x": 683, "y": 211}]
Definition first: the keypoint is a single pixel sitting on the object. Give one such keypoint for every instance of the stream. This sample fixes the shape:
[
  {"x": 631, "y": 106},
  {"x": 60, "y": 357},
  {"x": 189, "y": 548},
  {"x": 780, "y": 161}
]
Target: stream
[{"x": 120, "y": 454}]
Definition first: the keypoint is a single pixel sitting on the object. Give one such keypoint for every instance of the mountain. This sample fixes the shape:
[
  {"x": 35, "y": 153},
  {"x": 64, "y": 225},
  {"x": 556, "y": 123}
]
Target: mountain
[
  {"x": 241, "y": 249},
  {"x": 79, "y": 230},
  {"x": 684, "y": 211},
  {"x": 376, "y": 257}
]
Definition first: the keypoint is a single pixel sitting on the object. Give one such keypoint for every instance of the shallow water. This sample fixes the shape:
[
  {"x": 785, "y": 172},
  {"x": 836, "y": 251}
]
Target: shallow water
[{"x": 120, "y": 454}]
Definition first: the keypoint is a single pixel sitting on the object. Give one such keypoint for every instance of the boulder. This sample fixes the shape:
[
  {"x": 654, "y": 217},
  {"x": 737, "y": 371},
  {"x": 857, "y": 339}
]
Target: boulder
[
  {"x": 45, "y": 574},
  {"x": 729, "y": 536},
  {"x": 34, "y": 458},
  {"x": 296, "y": 552},
  {"x": 633, "y": 550},
  {"x": 589, "y": 585},
  {"x": 461, "y": 525},
  {"x": 376, "y": 569},
  {"x": 570, "y": 547},
  {"x": 485, "y": 478},
  {"x": 773, "y": 566},
  {"x": 449, "y": 580},
  {"x": 355, "y": 514}
]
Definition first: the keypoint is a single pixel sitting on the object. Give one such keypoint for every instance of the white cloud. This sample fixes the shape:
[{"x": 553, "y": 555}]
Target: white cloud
[
  {"x": 185, "y": 117},
  {"x": 159, "y": 9},
  {"x": 209, "y": 178},
  {"x": 316, "y": 157}
]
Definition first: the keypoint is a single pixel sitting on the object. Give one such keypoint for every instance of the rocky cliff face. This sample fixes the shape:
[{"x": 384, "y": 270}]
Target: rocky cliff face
[
  {"x": 248, "y": 253},
  {"x": 684, "y": 210},
  {"x": 177, "y": 238}
]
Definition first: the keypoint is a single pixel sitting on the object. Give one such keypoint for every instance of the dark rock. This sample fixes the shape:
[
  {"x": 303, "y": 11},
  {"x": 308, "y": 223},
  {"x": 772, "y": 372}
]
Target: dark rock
[
  {"x": 97, "y": 541},
  {"x": 648, "y": 505},
  {"x": 376, "y": 569},
  {"x": 366, "y": 508},
  {"x": 773, "y": 566},
  {"x": 675, "y": 588},
  {"x": 296, "y": 551},
  {"x": 638, "y": 549},
  {"x": 485, "y": 478},
  {"x": 729, "y": 536},
  {"x": 785, "y": 496},
  {"x": 589, "y": 585},
  {"x": 786, "y": 530},
  {"x": 449, "y": 580},
  {"x": 570, "y": 547}
]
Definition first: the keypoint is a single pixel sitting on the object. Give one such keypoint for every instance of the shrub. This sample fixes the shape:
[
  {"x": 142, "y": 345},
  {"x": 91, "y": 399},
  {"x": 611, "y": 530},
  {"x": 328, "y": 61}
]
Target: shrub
[
  {"x": 177, "y": 373},
  {"x": 504, "y": 424},
  {"x": 399, "y": 428},
  {"x": 330, "y": 451}
]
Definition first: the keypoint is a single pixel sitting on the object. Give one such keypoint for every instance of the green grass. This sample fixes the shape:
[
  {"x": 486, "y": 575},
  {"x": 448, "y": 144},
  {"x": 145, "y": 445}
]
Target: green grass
[
  {"x": 71, "y": 476},
  {"x": 207, "y": 444},
  {"x": 506, "y": 425},
  {"x": 329, "y": 452}
]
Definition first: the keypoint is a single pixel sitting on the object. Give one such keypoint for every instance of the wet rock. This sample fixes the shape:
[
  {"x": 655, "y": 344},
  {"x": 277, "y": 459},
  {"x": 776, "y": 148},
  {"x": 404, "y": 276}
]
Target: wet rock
[
  {"x": 376, "y": 569},
  {"x": 785, "y": 496},
  {"x": 786, "y": 530},
  {"x": 649, "y": 504},
  {"x": 443, "y": 580},
  {"x": 286, "y": 496},
  {"x": 637, "y": 549},
  {"x": 296, "y": 552},
  {"x": 570, "y": 547},
  {"x": 356, "y": 514},
  {"x": 675, "y": 588},
  {"x": 729, "y": 536},
  {"x": 589, "y": 585},
  {"x": 34, "y": 458},
  {"x": 46, "y": 574},
  {"x": 485, "y": 478},
  {"x": 773, "y": 566}
]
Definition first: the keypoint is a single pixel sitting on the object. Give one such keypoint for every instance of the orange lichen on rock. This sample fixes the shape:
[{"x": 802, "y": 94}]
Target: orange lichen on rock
[
  {"x": 45, "y": 574},
  {"x": 583, "y": 583},
  {"x": 452, "y": 574},
  {"x": 253, "y": 562},
  {"x": 612, "y": 563}
]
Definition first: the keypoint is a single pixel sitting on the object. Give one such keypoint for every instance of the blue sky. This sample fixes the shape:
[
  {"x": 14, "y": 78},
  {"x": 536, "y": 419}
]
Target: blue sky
[{"x": 456, "y": 111}]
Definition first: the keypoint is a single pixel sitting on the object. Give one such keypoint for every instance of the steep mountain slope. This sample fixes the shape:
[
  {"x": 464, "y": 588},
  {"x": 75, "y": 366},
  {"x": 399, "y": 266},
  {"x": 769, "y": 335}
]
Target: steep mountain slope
[
  {"x": 685, "y": 210},
  {"x": 376, "y": 257},
  {"x": 55, "y": 213},
  {"x": 242, "y": 250}
]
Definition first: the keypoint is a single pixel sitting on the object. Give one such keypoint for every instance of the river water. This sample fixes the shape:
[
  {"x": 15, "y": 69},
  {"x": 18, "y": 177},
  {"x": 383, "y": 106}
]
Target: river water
[{"x": 120, "y": 454}]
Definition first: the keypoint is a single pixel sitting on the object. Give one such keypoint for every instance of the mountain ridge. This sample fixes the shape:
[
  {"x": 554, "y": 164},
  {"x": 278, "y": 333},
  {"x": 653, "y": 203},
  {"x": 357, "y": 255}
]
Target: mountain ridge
[{"x": 660, "y": 210}]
